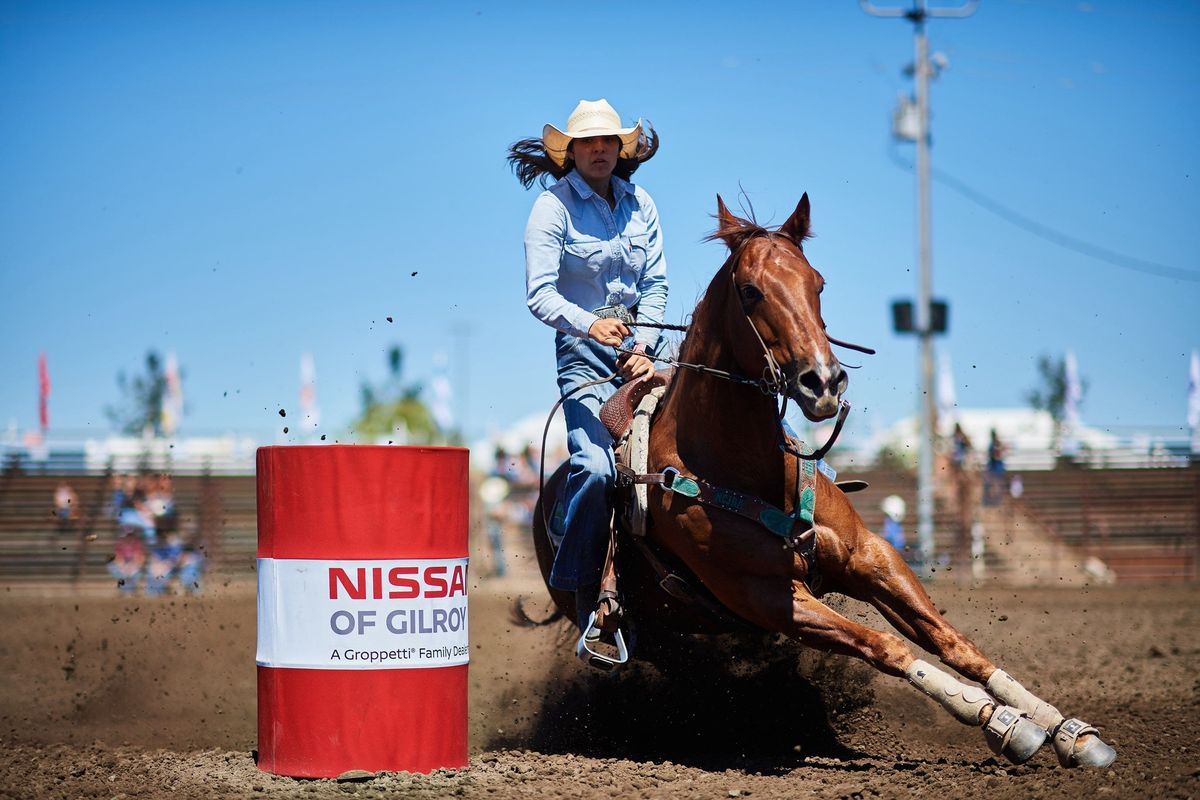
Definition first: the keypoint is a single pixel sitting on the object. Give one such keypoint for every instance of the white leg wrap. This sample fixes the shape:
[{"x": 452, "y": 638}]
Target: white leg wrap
[
  {"x": 1013, "y": 735},
  {"x": 965, "y": 702},
  {"x": 1096, "y": 753},
  {"x": 1007, "y": 690}
]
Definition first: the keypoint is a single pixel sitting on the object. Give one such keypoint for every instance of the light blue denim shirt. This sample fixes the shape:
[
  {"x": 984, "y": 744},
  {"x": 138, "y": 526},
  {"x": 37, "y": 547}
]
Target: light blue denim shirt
[{"x": 580, "y": 255}]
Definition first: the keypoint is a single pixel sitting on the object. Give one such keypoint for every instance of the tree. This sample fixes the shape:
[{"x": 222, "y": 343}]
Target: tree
[
  {"x": 394, "y": 410},
  {"x": 141, "y": 407},
  {"x": 1051, "y": 394}
]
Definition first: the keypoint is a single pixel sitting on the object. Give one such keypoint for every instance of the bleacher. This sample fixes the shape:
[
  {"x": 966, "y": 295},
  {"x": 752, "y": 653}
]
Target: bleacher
[
  {"x": 217, "y": 511},
  {"x": 1143, "y": 523}
]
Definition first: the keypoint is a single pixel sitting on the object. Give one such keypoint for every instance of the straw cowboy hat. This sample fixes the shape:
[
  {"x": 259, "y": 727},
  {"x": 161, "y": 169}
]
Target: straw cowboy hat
[{"x": 590, "y": 118}]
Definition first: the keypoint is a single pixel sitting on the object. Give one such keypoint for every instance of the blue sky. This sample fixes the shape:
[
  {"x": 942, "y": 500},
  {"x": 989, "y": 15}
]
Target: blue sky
[{"x": 242, "y": 182}]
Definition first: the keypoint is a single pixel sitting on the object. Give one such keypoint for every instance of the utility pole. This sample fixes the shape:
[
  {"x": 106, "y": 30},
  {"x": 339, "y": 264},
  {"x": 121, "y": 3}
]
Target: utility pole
[{"x": 912, "y": 121}]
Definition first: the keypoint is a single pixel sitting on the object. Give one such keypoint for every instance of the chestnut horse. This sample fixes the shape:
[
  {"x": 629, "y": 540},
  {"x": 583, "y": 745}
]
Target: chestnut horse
[{"x": 761, "y": 314}]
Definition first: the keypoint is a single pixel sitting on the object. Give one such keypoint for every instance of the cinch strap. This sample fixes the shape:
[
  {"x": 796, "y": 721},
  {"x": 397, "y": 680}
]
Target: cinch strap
[{"x": 773, "y": 519}]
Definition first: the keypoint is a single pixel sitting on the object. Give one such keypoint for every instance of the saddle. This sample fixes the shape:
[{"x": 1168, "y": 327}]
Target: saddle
[
  {"x": 617, "y": 412},
  {"x": 627, "y": 416}
]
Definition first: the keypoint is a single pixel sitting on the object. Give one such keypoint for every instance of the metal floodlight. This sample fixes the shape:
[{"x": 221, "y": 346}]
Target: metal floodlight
[{"x": 904, "y": 317}]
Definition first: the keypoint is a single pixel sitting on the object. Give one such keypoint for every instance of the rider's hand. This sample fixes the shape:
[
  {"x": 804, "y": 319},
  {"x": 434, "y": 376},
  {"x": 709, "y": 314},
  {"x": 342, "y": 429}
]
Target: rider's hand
[
  {"x": 634, "y": 367},
  {"x": 608, "y": 331}
]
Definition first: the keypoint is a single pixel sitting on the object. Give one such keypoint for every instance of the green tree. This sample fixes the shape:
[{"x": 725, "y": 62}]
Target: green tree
[
  {"x": 1050, "y": 395},
  {"x": 140, "y": 408},
  {"x": 394, "y": 410}
]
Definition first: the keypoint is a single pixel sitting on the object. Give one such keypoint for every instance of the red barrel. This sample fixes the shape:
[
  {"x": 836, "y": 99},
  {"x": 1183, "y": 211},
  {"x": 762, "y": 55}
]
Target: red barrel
[{"x": 362, "y": 609}]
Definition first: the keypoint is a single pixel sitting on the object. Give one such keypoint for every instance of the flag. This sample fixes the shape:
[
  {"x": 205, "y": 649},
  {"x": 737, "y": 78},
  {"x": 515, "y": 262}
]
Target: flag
[
  {"x": 171, "y": 411},
  {"x": 440, "y": 408},
  {"x": 1193, "y": 407},
  {"x": 43, "y": 393},
  {"x": 310, "y": 415},
  {"x": 946, "y": 399},
  {"x": 1072, "y": 395}
]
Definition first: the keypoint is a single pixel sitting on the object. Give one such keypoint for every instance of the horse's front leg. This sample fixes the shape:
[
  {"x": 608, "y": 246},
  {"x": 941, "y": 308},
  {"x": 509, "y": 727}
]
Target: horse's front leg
[
  {"x": 816, "y": 625},
  {"x": 864, "y": 566}
]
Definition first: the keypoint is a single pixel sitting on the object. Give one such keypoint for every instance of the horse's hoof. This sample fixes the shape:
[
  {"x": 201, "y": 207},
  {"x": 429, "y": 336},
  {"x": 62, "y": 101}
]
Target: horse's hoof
[
  {"x": 1013, "y": 735},
  {"x": 1094, "y": 752}
]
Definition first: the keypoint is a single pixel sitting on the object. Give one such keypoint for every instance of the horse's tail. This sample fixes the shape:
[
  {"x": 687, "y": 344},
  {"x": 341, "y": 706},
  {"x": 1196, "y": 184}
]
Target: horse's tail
[{"x": 519, "y": 616}]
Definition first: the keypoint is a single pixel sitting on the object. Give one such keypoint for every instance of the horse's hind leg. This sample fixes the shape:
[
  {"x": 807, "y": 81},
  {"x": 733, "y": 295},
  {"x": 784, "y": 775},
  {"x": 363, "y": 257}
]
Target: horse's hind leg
[
  {"x": 875, "y": 573},
  {"x": 816, "y": 625}
]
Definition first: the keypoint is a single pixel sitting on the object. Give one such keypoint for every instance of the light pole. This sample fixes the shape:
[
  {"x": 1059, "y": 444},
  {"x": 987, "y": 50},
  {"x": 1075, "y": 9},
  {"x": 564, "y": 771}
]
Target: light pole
[{"x": 918, "y": 130}]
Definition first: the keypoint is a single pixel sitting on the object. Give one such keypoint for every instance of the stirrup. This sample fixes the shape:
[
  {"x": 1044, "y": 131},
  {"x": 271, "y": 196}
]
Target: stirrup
[
  {"x": 600, "y": 661},
  {"x": 612, "y": 618}
]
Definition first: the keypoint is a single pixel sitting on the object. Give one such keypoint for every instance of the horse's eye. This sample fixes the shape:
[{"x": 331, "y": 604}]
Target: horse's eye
[{"x": 750, "y": 293}]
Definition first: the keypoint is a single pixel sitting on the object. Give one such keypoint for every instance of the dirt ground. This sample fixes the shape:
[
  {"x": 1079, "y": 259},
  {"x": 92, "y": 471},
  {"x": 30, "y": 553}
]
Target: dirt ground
[{"x": 155, "y": 698}]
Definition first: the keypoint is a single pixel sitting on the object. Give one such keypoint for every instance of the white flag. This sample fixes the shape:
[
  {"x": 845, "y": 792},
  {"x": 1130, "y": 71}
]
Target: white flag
[
  {"x": 441, "y": 406},
  {"x": 946, "y": 399},
  {"x": 172, "y": 400},
  {"x": 1193, "y": 413},
  {"x": 310, "y": 415},
  {"x": 1074, "y": 393}
]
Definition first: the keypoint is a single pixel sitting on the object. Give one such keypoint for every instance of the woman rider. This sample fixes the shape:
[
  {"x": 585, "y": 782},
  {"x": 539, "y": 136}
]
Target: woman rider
[{"x": 593, "y": 257}]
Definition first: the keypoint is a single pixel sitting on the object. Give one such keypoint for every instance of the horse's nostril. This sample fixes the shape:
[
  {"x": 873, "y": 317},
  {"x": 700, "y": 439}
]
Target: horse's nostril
[{"x": 810, "y": 381}]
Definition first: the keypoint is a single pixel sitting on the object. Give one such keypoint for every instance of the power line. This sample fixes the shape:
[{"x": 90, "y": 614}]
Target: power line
[
  {"x": 916, "y": 113},
  {"x": 1051, "y": 235}
]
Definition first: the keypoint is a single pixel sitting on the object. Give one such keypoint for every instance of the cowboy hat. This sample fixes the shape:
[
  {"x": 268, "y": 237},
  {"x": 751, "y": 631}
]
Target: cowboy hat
[{"x": 590, "y": 118}]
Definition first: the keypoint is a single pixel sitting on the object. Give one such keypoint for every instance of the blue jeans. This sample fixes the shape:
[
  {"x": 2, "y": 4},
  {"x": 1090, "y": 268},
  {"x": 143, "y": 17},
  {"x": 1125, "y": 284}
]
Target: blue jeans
[{"x": 583, "y": 508}]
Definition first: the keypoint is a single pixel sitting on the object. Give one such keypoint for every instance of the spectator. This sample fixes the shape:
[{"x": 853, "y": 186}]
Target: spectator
[
  {"x": 960, "y": 448},
  {"x": 129, "y": 558},
  {"x": 116, "y": 495},
  {"x": 164, "y": 559},
  {"x": 524, "y": 476},
  {"x": 160, "y": 501},
  {"x": 1016, "y": 487},
  {"x": 190, "y": 568},
  {"x": 135, "y": 516},
  {"x": 494, "y": 493},
  {"x": 893, "y": 508},
  {"x": 993, "y": 481},
  {"x": 965, "y": 489},
  {"x": 66, "y": 507}
]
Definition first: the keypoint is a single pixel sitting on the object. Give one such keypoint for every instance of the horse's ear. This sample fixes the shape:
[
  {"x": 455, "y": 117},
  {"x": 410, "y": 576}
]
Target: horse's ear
[
  {"x": 797, "y": 226},
  {"x": 726, "y": 224}
]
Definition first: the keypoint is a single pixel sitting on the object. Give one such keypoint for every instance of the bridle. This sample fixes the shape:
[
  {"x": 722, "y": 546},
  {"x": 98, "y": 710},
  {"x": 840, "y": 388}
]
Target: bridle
[{"x": 773, "y": 382}]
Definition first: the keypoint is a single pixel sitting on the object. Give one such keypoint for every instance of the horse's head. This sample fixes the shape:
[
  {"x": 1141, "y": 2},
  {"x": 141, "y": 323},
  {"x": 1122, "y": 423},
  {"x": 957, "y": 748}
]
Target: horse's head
[{"x": 780, "y": 293}]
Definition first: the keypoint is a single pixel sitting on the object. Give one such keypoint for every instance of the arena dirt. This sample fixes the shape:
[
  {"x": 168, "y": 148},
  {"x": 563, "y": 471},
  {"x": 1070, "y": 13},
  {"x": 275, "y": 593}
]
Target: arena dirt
[{"x": 155, "y": 698}]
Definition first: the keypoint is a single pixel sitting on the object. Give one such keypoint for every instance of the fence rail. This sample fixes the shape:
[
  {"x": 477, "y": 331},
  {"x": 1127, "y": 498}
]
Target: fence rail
[{"x": 1144, "y": 524}]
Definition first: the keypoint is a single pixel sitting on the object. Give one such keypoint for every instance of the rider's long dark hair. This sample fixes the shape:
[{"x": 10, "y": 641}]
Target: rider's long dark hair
[{"x": 530, "y": 163}]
